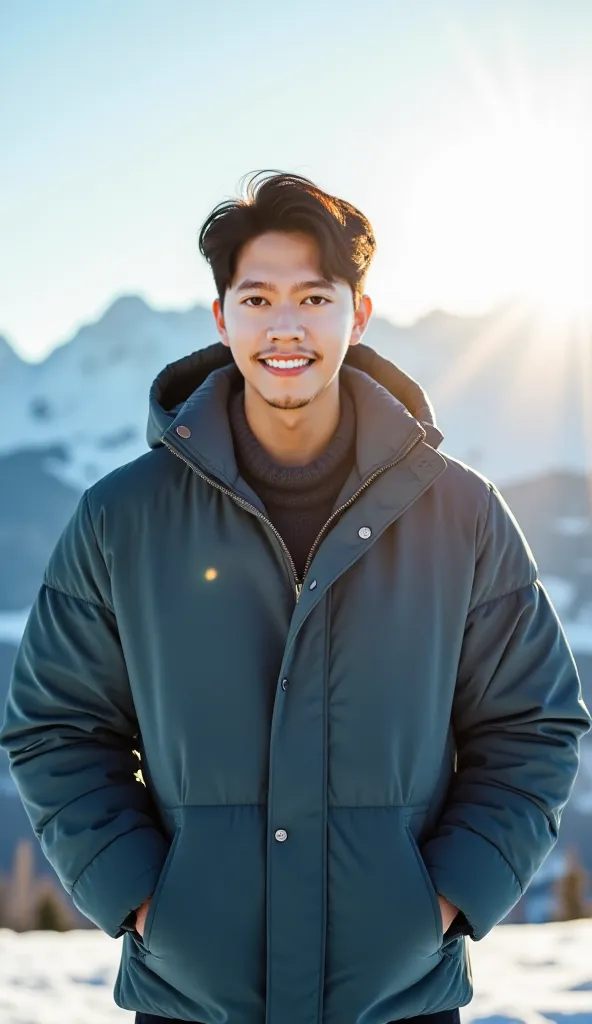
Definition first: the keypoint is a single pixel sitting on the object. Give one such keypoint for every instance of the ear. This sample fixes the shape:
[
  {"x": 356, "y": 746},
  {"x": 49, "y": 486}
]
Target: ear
[
  {"x": 361, "y": 318},
  {"x": 220, "y": 324}
]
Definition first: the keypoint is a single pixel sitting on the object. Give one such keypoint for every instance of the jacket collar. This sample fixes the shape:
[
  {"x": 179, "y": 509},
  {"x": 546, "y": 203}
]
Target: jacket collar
[{"x": 391, "y": 408}]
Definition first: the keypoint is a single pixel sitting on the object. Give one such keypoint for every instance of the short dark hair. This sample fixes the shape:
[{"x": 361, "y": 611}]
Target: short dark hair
[{"x": 291, "y": 203}]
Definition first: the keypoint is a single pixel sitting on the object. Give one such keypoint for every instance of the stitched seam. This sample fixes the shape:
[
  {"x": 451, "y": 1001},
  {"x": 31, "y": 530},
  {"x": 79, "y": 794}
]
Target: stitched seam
[
  {"x": 39, "y": 832},
  {"x": 489, "y": 842},
  {"x": 355, "y": 807},
  {"x": 88, "y": 509},
  {"x": 98, "y": 854},
  {"x": 482, "y": 537},
  {"x": 501, "y": 597},
  {"x": 324, "y": 915},
  {"x": 251, "y": 804},
  {"x": 416, "y": 808},
  {"x": 96, "y": 539},
  {"x": 102, "y": 850},
  {"x": 52, "y": 585},
  {"x": 503, "y": 857},
  {"x": 526, "y": 796}
]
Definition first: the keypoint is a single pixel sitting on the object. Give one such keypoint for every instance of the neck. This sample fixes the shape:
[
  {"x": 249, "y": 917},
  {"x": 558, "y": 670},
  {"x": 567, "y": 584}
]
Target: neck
[{"x": 294, "y": 437}]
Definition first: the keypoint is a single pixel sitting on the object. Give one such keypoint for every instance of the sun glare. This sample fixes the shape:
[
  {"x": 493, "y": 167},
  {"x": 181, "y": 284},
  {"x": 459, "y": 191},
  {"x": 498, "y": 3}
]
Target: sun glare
[
  {"x": 556, "y": 222},
  {"x": 509, "y": 213}
]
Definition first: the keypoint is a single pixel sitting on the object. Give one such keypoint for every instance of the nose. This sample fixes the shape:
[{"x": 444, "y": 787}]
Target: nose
[{"x": 285, "y": 328}]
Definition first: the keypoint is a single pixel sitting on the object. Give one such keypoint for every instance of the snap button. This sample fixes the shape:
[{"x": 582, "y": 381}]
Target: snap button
[
  {"x": 313, "y": 585},
  {"x": 281, "y": 835},
  {"x": 183, "y": 431},
  {"x": 364, "y": 532},
  {"x": 284, "y": 684}
]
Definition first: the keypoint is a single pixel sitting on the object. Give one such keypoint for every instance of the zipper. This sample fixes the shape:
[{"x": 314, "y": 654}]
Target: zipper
[
  {"x": 417, "y": 437},
  {"x": 298, "y": 584}
]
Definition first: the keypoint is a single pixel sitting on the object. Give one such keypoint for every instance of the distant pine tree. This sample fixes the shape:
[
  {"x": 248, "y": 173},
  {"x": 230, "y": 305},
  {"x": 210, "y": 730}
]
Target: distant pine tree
[
  {"x": 21, "y": 887},
  {"x": 571, "y": 890},
  {"x": 3, "y": 901},
  {"x": 53, "y": 912},
  {"x": 50, "y": 915}
]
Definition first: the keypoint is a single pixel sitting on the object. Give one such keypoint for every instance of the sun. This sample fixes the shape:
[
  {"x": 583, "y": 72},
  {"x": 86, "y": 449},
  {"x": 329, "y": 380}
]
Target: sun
[{"x": 508, "y": 212}]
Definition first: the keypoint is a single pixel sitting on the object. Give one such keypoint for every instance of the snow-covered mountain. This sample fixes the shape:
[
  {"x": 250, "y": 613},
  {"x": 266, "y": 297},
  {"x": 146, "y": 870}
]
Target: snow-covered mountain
[
  {"x": 88, "y": 400},
  {"x": 509, "y": 403}
]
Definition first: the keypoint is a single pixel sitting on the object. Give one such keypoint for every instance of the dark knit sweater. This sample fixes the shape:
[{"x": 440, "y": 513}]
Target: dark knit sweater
[{"x": 298, "y": 499}]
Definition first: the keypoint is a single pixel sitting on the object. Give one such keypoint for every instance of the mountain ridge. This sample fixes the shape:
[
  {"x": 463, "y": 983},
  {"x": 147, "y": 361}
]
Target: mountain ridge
[{"x": 501, "y": 411}]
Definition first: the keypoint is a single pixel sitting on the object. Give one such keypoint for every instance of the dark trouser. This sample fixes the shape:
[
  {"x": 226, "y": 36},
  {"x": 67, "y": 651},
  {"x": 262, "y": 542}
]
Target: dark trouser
[{"x": 445, "y": 1017}]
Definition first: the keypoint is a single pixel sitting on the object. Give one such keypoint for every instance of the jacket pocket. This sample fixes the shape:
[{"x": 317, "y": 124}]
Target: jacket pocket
[
  {"x": 383, "y": 932},
  {"x": 152, "y": 914},
  {"x": 204, "y": 934},
  {"x": 429, "y": 886}
]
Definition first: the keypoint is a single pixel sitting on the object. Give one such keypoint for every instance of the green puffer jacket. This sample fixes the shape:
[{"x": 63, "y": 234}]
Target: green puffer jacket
[{"x": 318, "y": 762}]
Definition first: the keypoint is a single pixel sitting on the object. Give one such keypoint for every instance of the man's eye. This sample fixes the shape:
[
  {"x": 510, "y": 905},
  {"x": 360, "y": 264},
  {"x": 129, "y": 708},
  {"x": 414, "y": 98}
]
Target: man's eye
[{"x": 254, "y": 297}]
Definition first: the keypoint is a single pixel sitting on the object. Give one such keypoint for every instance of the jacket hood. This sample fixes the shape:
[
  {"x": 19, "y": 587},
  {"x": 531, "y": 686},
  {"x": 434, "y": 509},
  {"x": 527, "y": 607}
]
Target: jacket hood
[{"x": 178, "y": 381}]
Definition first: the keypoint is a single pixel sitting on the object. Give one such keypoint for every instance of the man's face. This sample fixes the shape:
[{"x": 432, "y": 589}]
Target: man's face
[{"x": 281, "y": 320}]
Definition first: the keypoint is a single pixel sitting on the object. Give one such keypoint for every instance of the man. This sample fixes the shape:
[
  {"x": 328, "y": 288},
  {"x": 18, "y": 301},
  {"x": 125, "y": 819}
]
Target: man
[{"x": 357, "y": 713}]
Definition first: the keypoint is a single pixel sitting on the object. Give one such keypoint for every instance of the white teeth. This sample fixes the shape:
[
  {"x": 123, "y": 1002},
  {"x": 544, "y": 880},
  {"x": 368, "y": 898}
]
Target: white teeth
[{"x": 286, "y": 364}]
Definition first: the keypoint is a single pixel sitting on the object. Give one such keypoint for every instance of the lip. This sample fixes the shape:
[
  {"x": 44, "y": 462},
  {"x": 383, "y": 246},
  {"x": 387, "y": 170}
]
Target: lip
[{"x": 287, "y": 372}]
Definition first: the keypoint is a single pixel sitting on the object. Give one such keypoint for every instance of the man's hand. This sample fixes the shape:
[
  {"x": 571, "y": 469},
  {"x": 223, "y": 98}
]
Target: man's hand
[
  {"x": 141, "y": 913},
  {"x": 449, "y": 912}
]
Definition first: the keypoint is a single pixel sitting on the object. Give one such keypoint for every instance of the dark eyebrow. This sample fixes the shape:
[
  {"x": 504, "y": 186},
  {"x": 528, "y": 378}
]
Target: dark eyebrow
[{"x": 302, "y": 286}]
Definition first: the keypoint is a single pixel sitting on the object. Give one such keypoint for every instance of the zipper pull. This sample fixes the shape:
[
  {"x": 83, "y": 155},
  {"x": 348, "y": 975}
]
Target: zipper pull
[{"x": 298, "y": 591}]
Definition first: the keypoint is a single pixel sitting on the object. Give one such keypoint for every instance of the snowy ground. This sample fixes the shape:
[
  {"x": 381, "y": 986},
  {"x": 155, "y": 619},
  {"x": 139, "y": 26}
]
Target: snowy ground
[{"x": 531, "y": 974}]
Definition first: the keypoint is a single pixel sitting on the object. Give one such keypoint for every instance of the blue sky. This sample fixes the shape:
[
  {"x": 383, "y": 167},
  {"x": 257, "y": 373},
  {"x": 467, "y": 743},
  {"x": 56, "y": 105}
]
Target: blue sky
[{"x": 124, "y": 123}]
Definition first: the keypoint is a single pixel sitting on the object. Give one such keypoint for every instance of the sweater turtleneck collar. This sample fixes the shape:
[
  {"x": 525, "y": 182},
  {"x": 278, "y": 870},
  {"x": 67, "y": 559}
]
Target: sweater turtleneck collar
[{"x": 299, "y": 486}]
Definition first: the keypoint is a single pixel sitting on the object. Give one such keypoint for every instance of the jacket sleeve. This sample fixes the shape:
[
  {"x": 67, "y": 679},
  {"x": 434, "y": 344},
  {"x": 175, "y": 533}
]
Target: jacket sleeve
[
  {"x": 518, "y": 717},
  {"x": 68, "y": 732}
]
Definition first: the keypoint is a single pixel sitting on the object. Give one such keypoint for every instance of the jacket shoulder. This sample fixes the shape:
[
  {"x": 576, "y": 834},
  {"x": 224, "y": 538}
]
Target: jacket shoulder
[
  {"x": 128, "y": 497},
  {"x": 504, "y": 561},
  {"x": 463, "y": 495},
  {"x": 135, "y": 480},
  {"x": 468, "y": 483}
]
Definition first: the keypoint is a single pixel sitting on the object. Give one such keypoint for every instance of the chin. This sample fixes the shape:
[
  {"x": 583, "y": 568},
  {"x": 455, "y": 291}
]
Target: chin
[{"x": 288, "y": 402}]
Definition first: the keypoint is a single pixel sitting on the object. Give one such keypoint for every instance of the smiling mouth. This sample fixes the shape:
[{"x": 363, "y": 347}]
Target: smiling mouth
[{"x": 287, "y": 366}]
